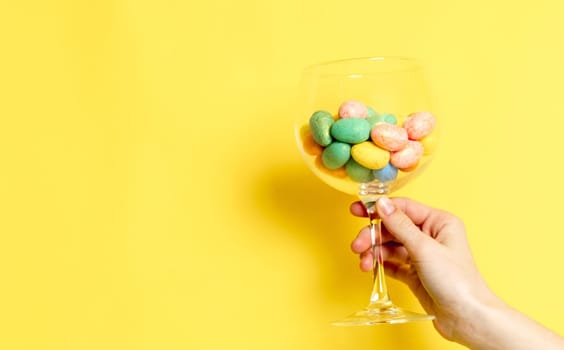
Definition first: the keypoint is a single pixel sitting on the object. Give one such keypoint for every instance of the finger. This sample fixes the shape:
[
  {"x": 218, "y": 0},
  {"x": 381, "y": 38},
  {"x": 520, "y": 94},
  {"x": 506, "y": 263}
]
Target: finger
[
  {"x": 390, "y": 252},
  {"x": 402, "y": 272},
  {"x": 430, "y": 220},
  {"x": 393, "y": 251},
  {"x": 400, "y": 225},
  {"x": 417, "y": 212},
  {"x": 363, "y": 240},
  {"x": 366, "y": 261},
  {"x": 406, "y": 273},
  {"x": 358, "y": 209},
  {"x": 441, "y": 225}
]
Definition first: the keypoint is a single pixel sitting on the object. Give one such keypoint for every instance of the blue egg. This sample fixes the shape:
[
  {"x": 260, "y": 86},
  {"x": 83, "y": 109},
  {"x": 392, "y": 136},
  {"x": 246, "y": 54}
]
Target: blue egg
[{"x": 387, "y": 173}]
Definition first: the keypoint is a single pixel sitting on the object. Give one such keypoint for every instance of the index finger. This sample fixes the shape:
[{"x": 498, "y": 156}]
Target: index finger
[{"x": 358, "y": 209}]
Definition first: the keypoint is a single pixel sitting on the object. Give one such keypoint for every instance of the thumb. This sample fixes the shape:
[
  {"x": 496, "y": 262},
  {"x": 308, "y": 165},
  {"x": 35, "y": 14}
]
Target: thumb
[{"x": 400, "y": 225}]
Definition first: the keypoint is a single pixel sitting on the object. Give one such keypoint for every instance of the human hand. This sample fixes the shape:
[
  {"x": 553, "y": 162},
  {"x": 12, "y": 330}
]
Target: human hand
[{"x": 427, "y": 249}]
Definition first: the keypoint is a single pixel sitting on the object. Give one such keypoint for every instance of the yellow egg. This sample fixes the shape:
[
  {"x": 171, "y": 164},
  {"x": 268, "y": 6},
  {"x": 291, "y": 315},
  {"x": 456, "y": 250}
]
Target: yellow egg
[{"x": 369, "y": 155}]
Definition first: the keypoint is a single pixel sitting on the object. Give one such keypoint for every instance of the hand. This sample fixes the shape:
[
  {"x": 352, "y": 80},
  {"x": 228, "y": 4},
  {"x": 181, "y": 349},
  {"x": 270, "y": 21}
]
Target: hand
[{"x": 427, "y": 249}]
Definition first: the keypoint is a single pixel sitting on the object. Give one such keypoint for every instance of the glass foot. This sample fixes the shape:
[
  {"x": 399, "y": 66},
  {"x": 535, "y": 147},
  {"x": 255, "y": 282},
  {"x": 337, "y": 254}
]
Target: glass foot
[{"x": 392, "y": 314}]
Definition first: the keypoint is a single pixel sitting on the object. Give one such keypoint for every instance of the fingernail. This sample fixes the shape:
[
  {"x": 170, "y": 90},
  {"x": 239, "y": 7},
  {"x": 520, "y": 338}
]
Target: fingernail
[{"x": 385, "y": 206}]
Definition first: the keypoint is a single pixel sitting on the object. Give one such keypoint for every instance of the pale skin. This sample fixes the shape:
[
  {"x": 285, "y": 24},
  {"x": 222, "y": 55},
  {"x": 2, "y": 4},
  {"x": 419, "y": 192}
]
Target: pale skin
[{"x": 427, "y": 249}]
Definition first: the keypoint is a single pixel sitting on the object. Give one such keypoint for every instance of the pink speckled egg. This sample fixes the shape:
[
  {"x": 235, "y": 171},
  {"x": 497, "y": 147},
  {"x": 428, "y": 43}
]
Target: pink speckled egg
[
  {"x": 408, "y": 156},
  {"x": 353, "y": 109},
  {"x": 419, "y": 125},
  {"x": 389, "y": 136}
]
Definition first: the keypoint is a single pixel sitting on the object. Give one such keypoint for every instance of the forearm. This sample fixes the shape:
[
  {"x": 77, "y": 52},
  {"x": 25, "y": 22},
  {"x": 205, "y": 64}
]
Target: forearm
[{"x": 496, "y": 326}]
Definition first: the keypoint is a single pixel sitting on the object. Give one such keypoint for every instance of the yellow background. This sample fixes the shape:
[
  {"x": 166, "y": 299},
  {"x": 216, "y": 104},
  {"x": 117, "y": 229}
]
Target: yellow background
[{"x": 152, "y": 197}]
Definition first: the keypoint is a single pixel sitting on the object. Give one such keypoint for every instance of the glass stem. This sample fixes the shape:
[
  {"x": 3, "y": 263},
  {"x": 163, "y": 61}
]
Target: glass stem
[{"x": 379, "y": 297}]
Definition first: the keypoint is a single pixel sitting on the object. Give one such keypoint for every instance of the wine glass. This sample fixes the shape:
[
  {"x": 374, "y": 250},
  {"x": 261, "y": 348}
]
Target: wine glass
[{"x": 364, "y": 127}]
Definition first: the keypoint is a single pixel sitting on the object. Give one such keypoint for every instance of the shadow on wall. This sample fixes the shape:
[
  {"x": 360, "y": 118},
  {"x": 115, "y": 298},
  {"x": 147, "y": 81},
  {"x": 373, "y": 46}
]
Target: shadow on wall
[{"x": 316, "y": 216}]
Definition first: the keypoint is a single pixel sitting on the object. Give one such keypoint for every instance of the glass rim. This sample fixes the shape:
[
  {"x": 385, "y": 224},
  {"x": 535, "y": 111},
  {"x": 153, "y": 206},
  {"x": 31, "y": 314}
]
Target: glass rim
[{"x": 408, "y": 63}]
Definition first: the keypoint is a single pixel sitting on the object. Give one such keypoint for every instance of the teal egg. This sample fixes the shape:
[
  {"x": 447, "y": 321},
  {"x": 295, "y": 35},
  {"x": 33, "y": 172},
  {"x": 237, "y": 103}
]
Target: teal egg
[
  {"x": 351, "y": 130},
  {"x": 382, "y": 118},
  {"x": 373, "y": 120},
  {"x": 320, "y": 127},
  {"x": 390, "y": 119},
  {"x": 371, "y": 113},
  {"x": 336, "y": 155},
  {"x": 357, "y": 172}
]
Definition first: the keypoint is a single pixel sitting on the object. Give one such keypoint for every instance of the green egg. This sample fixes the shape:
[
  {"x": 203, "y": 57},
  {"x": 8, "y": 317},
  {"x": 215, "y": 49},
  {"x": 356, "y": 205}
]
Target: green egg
[
  {"x": 357, "y": 172},
  {"x": 351, "y": 130},
  {"x": 371, "y": 113},
  {"x": 373, "y": 120},
  {"x": 382, "y": 118},
  {"x": 320, "y": 125},
  {"x": 390, "y": 119},
  {"x": 336, "y": 155}
]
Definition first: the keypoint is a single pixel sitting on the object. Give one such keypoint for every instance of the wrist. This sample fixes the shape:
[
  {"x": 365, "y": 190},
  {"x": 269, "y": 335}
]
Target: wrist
[
  {"x": 476, "y": 326},
  {"x": 491, "y": 324}
]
